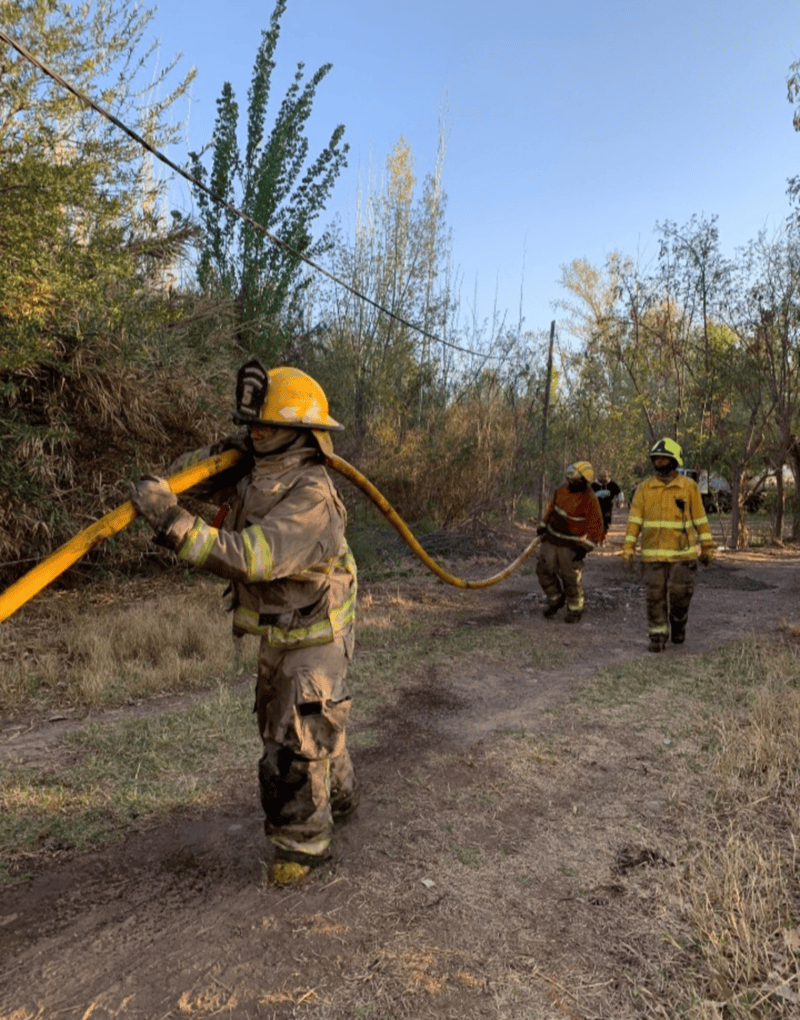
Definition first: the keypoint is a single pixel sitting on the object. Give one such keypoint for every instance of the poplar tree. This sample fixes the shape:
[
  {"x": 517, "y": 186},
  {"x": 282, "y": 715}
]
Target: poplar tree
[
  {"x": 278, "y": 187},
  {"x": 399, "y": 258}
]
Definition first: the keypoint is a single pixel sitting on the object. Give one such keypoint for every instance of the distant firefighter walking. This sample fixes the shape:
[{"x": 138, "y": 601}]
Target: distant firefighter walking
[
  {"x": 606, "y": 491},
  {"x": 571, "y": 527},
  {"x": 667, "y": 512}
]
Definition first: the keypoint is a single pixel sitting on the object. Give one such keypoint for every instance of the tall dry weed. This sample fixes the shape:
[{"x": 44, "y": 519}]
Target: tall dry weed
[
  {"x": 462, "y": 460},
  {"x": 79, "y": 427},
  {"x": 177, "y": 642},
  {"x": 738, "y": 888}
]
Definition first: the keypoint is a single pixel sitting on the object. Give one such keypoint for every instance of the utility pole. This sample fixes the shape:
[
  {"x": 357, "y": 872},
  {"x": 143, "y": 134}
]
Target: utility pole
[{"x": 544, "y": 416}]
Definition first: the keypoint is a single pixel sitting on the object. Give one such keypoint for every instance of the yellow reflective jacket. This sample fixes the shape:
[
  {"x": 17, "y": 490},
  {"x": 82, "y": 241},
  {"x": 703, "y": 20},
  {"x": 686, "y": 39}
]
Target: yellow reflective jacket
[
  {"x": 670, "y": 518},
  {"x": 282, "y": 545}
]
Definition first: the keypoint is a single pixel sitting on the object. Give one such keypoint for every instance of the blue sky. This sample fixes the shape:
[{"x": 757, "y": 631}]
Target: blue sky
[{"x": 571, "y": 129}]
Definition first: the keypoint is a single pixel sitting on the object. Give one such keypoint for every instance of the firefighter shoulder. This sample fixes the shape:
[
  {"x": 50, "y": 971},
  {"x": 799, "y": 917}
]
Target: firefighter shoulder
[{"x": 282, "y": 544}]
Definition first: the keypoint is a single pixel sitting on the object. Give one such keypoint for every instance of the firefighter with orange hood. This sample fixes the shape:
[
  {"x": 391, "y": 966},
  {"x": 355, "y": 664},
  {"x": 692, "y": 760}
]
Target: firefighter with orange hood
[
  {"x": 571, "y": 527},
  {"x": 282, "y": 546}
]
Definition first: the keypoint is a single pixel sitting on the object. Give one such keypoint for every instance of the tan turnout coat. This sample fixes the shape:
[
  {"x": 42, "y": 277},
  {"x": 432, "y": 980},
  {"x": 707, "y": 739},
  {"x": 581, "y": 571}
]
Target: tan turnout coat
[{"x": 282, "y": 546}]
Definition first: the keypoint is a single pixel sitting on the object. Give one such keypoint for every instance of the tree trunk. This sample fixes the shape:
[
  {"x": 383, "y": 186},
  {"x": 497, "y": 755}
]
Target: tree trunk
[
  {"x": 780, "y": 506},
  {"x": 735, "y": 487},
  {"x": 740, "y": 537},
  {"x": 794, "y": 454}
]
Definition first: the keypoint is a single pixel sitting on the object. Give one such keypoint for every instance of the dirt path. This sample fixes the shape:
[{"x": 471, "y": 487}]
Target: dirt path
[{"x": 456, "y": 891}]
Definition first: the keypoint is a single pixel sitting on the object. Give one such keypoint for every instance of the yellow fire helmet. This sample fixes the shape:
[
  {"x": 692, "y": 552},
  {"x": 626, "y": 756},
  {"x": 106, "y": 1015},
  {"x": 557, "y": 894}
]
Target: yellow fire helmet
[
  {"x": 286, "y": 397},
  {"x": 668, "y": 448},
  {"x": 580, "y": 469}
]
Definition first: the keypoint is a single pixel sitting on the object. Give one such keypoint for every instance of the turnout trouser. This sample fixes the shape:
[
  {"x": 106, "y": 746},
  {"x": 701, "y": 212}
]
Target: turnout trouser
[
  {"x": 559, "y": 575},
  {"x": 668, "y": 591},
  {"x": 302, "y": 704}
]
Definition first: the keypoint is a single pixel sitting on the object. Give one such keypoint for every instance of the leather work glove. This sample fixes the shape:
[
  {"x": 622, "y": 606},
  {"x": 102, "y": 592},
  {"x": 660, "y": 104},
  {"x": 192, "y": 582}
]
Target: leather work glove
[
  {"x": 706, "y": 556},
  {"x": 628, "y": 557},
  {"x": 153, "y": 498}
]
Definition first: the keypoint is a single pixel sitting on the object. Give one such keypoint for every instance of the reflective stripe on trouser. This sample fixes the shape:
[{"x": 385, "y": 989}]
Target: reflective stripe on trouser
[
  {"x": 668, "y": 589},
  {"x": 303, "y": 704},
  {"x": 557, "y": 571}
]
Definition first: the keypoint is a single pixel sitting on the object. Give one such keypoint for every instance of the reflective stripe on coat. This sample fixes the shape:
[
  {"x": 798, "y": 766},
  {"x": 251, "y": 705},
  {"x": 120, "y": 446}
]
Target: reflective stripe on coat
[
  {"x": 668, "y": 531},
  {"x": 282, "y": 545}
]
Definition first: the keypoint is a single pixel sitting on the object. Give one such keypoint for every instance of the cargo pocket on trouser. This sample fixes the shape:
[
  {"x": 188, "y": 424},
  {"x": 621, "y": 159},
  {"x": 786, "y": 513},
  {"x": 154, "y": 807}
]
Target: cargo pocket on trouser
[
  {"x": 571, "y": 572},
  {"x": 547, "y": 573},
  {"x": 344, "y": 795}
]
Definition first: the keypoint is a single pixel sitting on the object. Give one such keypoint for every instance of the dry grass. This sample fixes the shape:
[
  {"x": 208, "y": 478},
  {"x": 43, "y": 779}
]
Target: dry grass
[
  {"x": 122, "y": 774},
  {"x": 112, "y": 653},
  {"x": 739, "y": 888},
  {"x": 731, "y": 910}
]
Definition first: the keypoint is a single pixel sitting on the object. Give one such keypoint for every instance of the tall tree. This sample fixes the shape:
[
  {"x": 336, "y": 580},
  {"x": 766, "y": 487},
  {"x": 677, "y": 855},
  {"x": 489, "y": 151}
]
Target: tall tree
[
  {"x": 80, "y": 208},
  {"x": 614, "y": 376},
  {"x": 399, "y": 258},
  {"x": 771, "y": 304},
  {"x": 793, "y": 95},
  {"x": 276, "y": 186},
  {"x": 695, "y": 280}
]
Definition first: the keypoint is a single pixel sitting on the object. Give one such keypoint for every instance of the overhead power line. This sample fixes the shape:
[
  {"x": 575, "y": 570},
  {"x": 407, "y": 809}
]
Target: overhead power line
[{"x": 46, "y": 69}]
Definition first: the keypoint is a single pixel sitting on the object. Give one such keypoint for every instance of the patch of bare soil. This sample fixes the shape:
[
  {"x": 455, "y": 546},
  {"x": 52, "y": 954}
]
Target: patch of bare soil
[{"x": 482, "y": 876}]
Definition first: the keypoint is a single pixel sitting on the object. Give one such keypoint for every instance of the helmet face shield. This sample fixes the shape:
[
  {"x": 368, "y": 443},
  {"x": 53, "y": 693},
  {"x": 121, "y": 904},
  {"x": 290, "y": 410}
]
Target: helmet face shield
[
  {"x": 664, "y": 466},
  {"x": 268, "y": 439}
]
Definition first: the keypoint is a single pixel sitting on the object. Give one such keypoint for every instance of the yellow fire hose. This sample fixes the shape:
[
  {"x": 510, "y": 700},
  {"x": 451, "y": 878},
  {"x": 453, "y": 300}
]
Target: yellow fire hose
[
  {"x": 117, "y": 520},
  {"x": 399, "y": 524}
]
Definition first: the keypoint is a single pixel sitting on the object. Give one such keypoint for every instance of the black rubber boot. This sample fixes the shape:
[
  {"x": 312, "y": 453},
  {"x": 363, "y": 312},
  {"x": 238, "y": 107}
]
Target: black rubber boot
[
  {"x": 677, "y": 629},
  {"x": 572, "y": 616},
  {"x": 553, "y": 607},
  {"x": 658, "y": 643}
]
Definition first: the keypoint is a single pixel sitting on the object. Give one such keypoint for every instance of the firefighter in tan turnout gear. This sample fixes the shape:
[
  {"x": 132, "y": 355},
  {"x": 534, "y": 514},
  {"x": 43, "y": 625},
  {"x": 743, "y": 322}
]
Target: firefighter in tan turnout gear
[
  {"x": 293, "y": 580},
  {"x": 667, "y": 512},
  {"x": 571, "y": 527}
]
